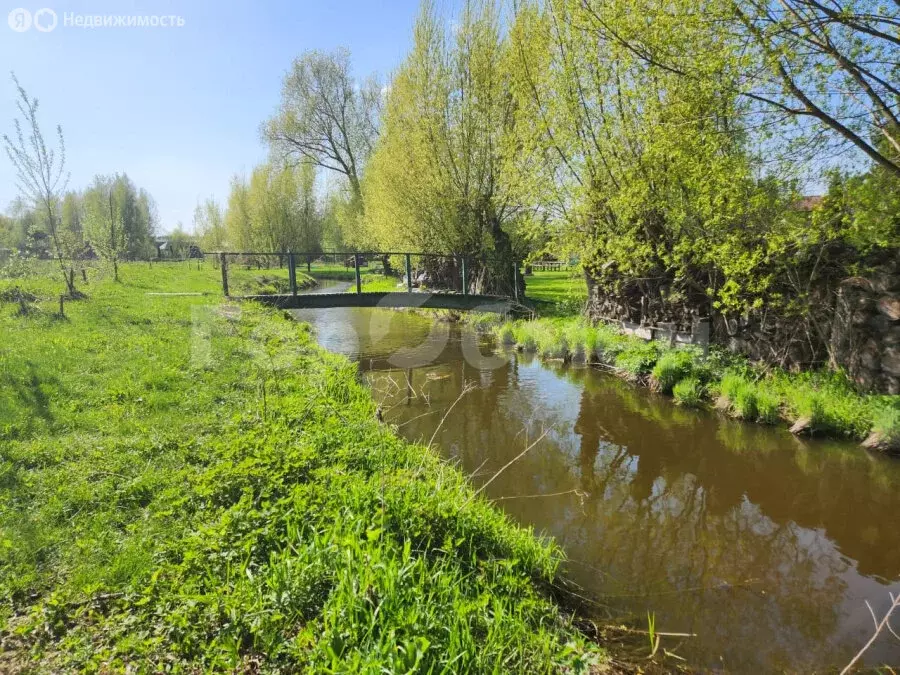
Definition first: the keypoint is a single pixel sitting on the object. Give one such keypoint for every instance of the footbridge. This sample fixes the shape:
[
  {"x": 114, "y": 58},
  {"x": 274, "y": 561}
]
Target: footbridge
[{"x": 289, "y": 280}]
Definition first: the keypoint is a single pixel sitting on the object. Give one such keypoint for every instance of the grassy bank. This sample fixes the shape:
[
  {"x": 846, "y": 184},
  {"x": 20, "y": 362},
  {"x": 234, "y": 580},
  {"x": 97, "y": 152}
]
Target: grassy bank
[
  {"x": 190, "y": 485},
  {"x": 813, "y": 402}
]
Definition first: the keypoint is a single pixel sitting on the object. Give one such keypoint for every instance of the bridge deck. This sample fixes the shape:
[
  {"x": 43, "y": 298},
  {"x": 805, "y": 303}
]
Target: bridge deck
[{"x": 480, "y": 303}]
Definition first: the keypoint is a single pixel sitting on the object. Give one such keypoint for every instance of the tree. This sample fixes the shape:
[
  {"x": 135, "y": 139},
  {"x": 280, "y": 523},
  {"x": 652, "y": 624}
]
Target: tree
[
  {"x": 276, "y": 211},
  {"x": 325, "y": 116},
  {"x": 71, "y": 219},
  {"x": 41, "y": 178},
  {"x": 209, "y": 225},
  {"x": 823, "y": 72},
  {"x": 650, "y": 175},
  {"x": 104, "y": 221},
  {"x": 138, "y": 216},
  {"x": 435, "y": 181},
  {"x": 180, "y": 242},
  {"x": 237, "y": 215}
]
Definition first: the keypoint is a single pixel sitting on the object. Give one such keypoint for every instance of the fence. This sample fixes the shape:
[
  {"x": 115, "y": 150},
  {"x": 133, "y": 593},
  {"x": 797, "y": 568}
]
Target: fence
[{"x": 253, "y": 273}]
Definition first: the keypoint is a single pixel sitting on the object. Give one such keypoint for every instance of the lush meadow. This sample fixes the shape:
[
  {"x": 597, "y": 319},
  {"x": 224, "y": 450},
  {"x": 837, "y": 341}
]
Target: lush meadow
[{"x": 191, "y": 484}]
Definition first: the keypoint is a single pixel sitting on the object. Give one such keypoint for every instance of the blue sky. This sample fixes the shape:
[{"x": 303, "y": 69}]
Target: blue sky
[{"x": 179, "y": 109}]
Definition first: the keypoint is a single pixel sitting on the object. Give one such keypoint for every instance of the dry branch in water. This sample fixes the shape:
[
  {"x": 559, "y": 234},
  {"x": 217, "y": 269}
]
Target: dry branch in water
[{"x": 880, "y": 626}]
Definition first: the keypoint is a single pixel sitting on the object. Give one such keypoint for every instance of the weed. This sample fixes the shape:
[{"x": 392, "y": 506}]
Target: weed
[
  {"x": 673, "y": 366},
  {"x": 638, "y": 359},
  {"x": 688, "y": 392}
]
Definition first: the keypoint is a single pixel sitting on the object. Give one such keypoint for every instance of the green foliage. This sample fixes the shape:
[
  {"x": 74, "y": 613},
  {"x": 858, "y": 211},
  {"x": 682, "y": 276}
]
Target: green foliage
[
  {"x": 744, "y": 402},
  {"x": 886, "y": 422},
  {"x": 688, "y": 392},
  {"x": 639, "y": 359},
  {"x": 198, "y": 486},
  {"x": 435, "y": 180},
  {"x": 768, "y": 406},
  {"x": 276, "y": 211},
  {"x": 673, "y": 366}
]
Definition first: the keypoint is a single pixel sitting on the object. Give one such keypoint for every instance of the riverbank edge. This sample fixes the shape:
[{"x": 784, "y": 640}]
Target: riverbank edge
[
  {"x": 822, "y": 404},
  {"x": 99, "y": 623}
]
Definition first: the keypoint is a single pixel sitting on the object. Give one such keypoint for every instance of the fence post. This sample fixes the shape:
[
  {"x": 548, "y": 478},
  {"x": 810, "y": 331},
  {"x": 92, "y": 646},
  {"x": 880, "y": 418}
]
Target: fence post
[
  {"x": 358, "y": 279},
  {"x": 408, "y": 274},
  {"x": 465, "y": 277},
  {"x": 223, "y": 263},
  {"x": 292, "y": 272},
  {"x": 516, "y": 280}
]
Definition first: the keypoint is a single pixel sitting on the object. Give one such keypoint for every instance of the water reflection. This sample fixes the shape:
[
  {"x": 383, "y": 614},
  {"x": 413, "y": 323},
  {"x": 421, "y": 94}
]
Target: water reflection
[{"x": 762, "y": 545}]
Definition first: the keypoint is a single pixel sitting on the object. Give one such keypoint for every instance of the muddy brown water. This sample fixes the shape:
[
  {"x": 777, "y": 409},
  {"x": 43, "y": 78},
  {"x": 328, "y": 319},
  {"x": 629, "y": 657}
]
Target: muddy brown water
[{"x": 764, "y": 547}]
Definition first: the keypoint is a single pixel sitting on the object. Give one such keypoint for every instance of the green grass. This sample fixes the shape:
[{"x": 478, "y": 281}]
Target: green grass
[
  {"x": 825, "y": 402},
  {"x": 193, "y": 485},
  {"x": 688, "y": 392},
  {"x": 672, "y": 367},
  {"x": 557, "y": 293}
]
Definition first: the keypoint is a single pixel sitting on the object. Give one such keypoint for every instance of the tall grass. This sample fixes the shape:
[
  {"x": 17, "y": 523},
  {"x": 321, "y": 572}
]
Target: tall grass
[{"x": 814, "y": 402}]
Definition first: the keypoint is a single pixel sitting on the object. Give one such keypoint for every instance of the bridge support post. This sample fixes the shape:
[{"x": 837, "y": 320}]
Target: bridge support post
[
  {"x": 465, "y": 277},
  {"x": 408, "y": 274},
  {"x": 358, "y": 278},
  {"x": 223, "y": 264},
  {"x": 292, "y": 273}
]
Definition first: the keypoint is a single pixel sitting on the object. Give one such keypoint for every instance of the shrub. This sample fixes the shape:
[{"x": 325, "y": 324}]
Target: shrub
[
  {"x": 688, "y": 392},
  {"x": 525, "y": 336},
  {"x": 575, "y": 335},
  {"x": 672, "y": 367},
  {"x": 638, "y": 359}
]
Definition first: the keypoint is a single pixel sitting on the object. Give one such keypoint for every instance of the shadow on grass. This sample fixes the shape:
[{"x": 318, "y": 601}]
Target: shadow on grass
[{"x": 29, "y": 394}]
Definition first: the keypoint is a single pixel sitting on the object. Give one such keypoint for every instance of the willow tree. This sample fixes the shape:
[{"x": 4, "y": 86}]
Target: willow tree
[
  {"x": 326, "y": 117},
  {"x": 647, "y": 176},
  {"x": 209, "y": 226},
  {"x": 435, "y": 181},
  {"x": 276, "y": 211}
]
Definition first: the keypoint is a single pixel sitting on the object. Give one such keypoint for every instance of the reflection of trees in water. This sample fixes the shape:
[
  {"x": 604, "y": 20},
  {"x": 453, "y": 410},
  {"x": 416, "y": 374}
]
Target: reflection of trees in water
[{"x": 718, "y": 537}]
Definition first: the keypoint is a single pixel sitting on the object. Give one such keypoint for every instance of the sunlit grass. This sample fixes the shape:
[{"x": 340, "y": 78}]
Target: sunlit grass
[{"x": 191, "y": 484}]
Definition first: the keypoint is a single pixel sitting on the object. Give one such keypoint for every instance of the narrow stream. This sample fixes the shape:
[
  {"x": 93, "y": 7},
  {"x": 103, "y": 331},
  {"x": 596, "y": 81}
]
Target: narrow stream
[{"x": 763, "y": 546}]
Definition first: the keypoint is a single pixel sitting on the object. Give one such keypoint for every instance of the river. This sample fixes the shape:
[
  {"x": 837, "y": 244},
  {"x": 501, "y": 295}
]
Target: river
[{"x": 762, "y": 546}]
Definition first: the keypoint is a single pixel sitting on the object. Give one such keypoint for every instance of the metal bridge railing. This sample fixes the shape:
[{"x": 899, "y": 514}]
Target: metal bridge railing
[{"x": 286, "y": 273}]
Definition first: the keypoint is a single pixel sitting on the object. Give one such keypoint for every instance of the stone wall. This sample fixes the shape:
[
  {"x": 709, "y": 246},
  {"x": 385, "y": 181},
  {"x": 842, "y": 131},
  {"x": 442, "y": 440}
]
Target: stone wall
[
  {"x": 865, "y": 338},
  {"x": 854, "y": 324}
]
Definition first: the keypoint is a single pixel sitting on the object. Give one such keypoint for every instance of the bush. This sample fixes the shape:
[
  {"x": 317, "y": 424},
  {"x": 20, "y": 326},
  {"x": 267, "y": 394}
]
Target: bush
[
  {"x": 688, "y": 392},
  {"x": 638, "y": 359}
]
